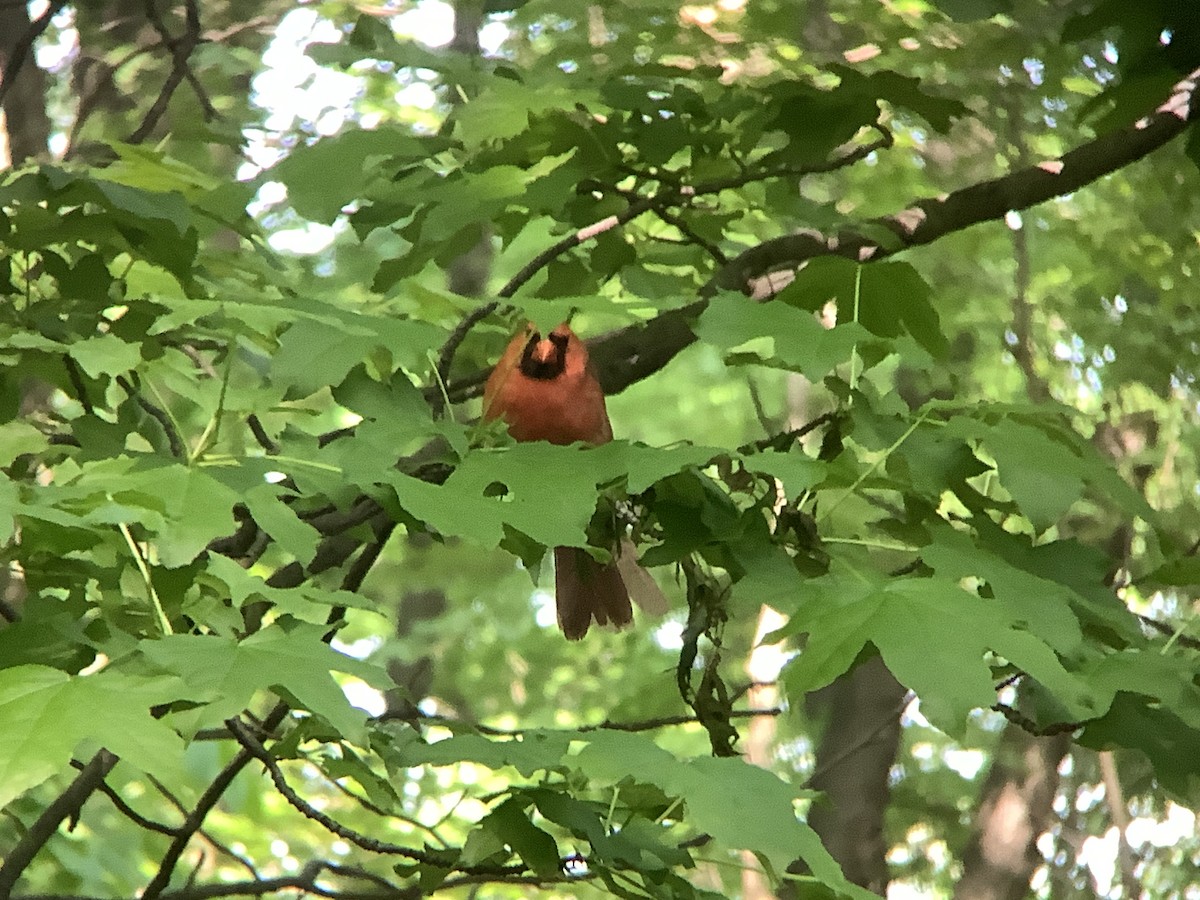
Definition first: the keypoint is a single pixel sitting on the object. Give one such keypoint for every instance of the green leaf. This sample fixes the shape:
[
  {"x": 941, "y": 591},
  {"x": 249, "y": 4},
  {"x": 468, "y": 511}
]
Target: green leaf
[
  {"x": 198, "y": 508},
  {"x": 320, "y": 351},
  {"x": 225, "y": 674},
  {"x": 1034, "y": 602},
  {"x": 48, "y": 716},
  {"x": 18, "y": 438},
  {"x": 531, "y": 752},
  {"x": 1169, "y": 743},
  {"x": 796, "y": 471},
  {"x": 776, "y": 334},
  {"x": 552, "y": 501},
  {"x": 358, "y": 156},
  {"x": 105, "y": 354},
  {"x": 892, "y": 297},
  {"x": 277, "y": 520},
  {"x": 142, "y": 205},
  {"x": 504, "y": 109},
  {"x": 1044, "y": 477},
  {"x": 933, "y": 636},
  {"x": 10, "y": 507},
  {"x": 741, "y": 805},
  {"x": 309, "y": 602},
  {"x": 509, "y": 823}
]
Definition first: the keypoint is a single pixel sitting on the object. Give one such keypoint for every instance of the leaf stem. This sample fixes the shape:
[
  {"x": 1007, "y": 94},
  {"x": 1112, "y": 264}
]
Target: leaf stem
[
  {"x": 878, "y": 545},
  {"x": 1178, "y": 632},
  {"x": 612, "y": 808},
  {"x": 854, "y": 350},
  {"x": 224, "y": 459},
  {"x": 873, "y": 467},
  {"x": 212, "y": 430},
  {"x": 163, "y": 622},
  {"x": 437, "y": 374},
  {"x": 661, "y": 817}
]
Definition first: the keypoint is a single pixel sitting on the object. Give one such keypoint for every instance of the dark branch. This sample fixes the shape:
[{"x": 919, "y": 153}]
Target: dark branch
[
  {"x": 691, "y": 236},
  {"x": 125, "y": 809},
  {"x": 681, "y": 194},
  {"x": 160, "y": 416},
  {"x": 626, "y": 356},
  {"x": 260, "y": 434},
  {"x": 606, "y": 725},
  {"x": 446, "y": 356},
  {"x": 181, "y": 48},
  {"x": 251, "y": 745},
  {"x": 76, "y": 378},
  {"x": 1163, "y": 628},
  {"x": 1027, "y": 724},
  {"x": 203, "y": 807},
  {"x": 65, "y": 806}
]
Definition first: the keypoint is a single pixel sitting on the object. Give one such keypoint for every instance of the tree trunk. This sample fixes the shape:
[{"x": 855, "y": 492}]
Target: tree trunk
[
  {"x": 862, "y": 732},
  {"x": 26, "y": 125},
  {"x": 1017, "y": 806}
]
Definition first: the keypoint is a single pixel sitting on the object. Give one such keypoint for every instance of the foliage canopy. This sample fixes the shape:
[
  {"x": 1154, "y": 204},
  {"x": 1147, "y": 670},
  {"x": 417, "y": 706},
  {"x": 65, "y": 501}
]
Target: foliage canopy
[{"x": 254, "y": 487}]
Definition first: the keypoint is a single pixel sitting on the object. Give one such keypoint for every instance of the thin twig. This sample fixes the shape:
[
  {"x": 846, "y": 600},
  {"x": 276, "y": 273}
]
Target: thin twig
[
  {"x": 219, "y": 845},
  {"x": 1171, "y": 631},
  {"x": 181, "y": 48},
  {"x": 76, "y": 378},
  {"x": 174, "y": 441},
  {"x": 677, "y": 195},
  {"x": 693, "y": 237},
  {"x": 251, "y": 745},
  {"x": 125, "y": 809},
  {"x": 640, "y": 725},
  {"x": 260, "y": 434},
  {"x": 446, "y": 356},
  {"x": 1029, "y": 726}
]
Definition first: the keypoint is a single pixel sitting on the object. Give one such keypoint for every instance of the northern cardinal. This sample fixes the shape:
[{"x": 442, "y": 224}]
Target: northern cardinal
[{"x": 544, "y": 389}]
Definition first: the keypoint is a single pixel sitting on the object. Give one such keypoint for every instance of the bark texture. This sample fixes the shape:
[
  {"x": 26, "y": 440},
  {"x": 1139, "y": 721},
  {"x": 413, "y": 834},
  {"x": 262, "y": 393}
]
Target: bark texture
[
  {"x": 862, "y": 732},
  {"x": 1017, "y": 807},
  {"x": 26, "y": 125}
]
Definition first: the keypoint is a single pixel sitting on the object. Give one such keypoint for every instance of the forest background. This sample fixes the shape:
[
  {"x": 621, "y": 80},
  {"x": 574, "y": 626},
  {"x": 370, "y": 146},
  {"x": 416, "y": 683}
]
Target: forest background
[{"x": 895, "y": 304}]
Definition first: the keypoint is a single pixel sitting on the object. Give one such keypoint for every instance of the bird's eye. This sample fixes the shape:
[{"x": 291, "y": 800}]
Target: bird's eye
[{"x": 559, "y": 340}]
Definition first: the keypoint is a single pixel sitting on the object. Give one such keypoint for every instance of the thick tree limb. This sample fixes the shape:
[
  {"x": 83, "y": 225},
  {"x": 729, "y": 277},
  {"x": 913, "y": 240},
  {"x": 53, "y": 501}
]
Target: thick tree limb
[{"x": 627, "y": 356}]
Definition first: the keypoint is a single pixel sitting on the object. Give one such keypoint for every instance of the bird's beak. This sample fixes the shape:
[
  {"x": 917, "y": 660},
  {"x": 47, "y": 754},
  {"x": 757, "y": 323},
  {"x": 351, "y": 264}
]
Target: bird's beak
[{"x": 544, "y": 351}]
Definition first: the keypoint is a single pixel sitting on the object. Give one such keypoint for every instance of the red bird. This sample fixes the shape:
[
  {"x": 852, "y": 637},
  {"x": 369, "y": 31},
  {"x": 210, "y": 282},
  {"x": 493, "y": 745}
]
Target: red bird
[{"x": 544, "y": 389}]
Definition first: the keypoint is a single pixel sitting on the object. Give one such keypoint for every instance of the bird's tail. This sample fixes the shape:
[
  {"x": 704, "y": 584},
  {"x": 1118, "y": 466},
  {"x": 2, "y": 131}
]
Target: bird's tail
[{"x": 588, "y": 591}]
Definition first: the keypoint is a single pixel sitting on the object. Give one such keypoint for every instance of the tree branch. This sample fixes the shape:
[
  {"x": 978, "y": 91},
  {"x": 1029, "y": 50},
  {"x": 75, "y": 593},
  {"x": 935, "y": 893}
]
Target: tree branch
[
  {"x": 204, "y": 806},
  {"x": 181, "y": 48},
  {"x": 679, "y": 194},
  {"x": 160, "y": 416},
  {"x": 630, "y": 354},
  {"x": 65, "y": 806},
  {"x": 251, "y": 745},
  {"x": 124, "y": 808}
]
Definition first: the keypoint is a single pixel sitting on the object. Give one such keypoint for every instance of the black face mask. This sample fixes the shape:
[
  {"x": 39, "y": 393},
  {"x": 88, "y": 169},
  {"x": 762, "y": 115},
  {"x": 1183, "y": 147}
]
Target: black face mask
[{"x": 544, "y": 369}]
